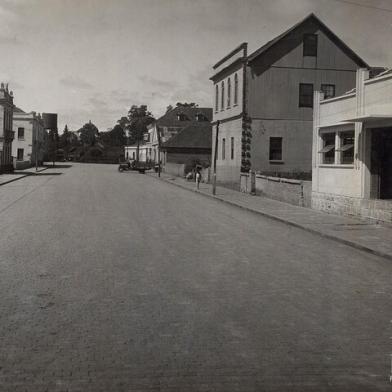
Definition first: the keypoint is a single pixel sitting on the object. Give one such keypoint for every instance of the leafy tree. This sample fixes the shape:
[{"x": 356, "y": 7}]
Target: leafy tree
[
  {"x": 88, "y": 134},
  {"x": 187, "y": 105},
  {"x": 139, "y": 118},
  {"x": 53, "y": 141},
  {"x": 114, "y": 137}
]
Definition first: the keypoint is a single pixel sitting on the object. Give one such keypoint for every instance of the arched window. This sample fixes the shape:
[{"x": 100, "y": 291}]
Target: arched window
[
  {"x": 222, "y": 95},
  {"x": 216, "y": 97},
  {"x": 228, "y": 92},
  {"x": 235, "y": 89}
]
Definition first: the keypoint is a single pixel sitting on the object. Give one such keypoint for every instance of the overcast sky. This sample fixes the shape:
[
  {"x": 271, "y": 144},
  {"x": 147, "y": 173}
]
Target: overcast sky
[{"x": 93, "y": 59}]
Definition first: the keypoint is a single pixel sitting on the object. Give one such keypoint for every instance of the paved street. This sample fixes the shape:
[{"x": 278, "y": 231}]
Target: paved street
[{"x": 120, "y": 282}]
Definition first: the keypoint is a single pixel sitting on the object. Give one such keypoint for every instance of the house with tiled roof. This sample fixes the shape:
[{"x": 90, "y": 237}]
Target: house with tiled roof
[
  {"x": 188, "y": 148},
  {"x": 264, "y": 101}
]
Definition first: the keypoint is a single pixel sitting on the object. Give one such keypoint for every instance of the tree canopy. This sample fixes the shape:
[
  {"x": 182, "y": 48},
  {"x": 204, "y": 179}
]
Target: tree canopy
[
  {"x": 88, "y": 134},
  {"x": 138, "y": 120}
]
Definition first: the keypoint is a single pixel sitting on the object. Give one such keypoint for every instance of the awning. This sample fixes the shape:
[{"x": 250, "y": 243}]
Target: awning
[
  {"x": 367, "y": 118},
  {"x": 346, "y": 147},
  {"x": 327, "y": 149}
]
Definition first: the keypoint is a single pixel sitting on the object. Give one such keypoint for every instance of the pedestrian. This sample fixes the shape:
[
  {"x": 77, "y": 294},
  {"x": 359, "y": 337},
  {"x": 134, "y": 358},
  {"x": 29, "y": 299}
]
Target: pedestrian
[{"x": 198, "y": 178}]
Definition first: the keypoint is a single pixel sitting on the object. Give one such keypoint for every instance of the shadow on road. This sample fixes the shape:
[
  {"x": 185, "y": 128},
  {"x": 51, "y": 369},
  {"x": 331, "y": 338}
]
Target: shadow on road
[{"x": 58, "y": 166}]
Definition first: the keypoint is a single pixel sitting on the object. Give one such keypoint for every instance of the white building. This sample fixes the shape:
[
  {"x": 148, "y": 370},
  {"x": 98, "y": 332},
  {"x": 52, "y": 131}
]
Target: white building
[
  {"x": 352, "y": 149},
  {"x": 30, "y": 143}
]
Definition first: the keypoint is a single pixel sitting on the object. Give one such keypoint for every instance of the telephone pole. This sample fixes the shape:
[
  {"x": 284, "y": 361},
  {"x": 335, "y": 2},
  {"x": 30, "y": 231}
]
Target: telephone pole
[{"x": 215, "y": 158}]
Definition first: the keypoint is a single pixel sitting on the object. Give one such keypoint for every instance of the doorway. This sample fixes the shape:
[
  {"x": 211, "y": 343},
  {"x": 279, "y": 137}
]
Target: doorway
[{"x": 381, "y": 162}]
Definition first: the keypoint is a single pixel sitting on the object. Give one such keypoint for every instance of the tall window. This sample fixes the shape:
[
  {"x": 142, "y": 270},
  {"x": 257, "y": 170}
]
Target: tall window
[
  {"x": 310, "y": 45},
  {"x": 223, "y": 148},
  {"x": 235, "y": 89},
  {"x": 347, "y": 147},
  {"x": 275, "y": 149},
  {"x": 306, "y": 95},
  {"x": 228, "y": 92},
  {"x": 20, "y": 133},
  {"x": 20, "y": 154},
  {"x": 216, "y": 98},
  {"x": 222, "y": 95},
  {"x": 328, "y": 149},
  {"x": 328, "y": 90},
  {"x": 232, "y": 148}
]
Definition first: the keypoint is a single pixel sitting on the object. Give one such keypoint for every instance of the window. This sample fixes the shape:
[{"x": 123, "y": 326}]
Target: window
[
  {"x": 310, "y": 45},
  {"x": 20, "y": 133},
  {"x": 20, "y": 154},
  {"x": 275, "y": 149},
  {"x": 216, "y": 98},
  {"x": 347, "y": 147},
  {"x": 223, "y": 149},
  {"x": 328, "y": 149},
  {"x": 232, "y": 148},
  {"x": 228, "y": 92},
  {"x": 235, "y": 89},
  {"x": 306, "y": 95},
  {"x": 222, "y": 95},
  {"x": 182, "y": 117},
  {"x": 328, "y": 90}
]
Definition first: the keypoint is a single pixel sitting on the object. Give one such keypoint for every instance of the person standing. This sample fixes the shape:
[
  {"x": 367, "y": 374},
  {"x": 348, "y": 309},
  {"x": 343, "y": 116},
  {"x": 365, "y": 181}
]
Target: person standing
[{"x": 198, "y": 178}]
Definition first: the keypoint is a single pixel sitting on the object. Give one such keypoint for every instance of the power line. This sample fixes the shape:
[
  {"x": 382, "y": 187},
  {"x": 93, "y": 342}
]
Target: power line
[{"x": 364, "y": 5}]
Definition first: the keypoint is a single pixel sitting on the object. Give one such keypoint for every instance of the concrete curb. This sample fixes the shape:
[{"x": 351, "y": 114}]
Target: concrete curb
[
  {"x": 288, "y": 222},
  {"x": 22, "y": 176}
]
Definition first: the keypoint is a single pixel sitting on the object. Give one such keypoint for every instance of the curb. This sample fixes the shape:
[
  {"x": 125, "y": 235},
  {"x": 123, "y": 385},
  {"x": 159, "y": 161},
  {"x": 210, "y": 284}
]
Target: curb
[
  {"x": 290, "y": 223},
  {"x": 22, "y": 176}
]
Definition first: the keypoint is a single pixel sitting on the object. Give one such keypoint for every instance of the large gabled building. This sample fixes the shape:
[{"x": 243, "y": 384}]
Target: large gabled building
[{"x": 264, "y": 101}]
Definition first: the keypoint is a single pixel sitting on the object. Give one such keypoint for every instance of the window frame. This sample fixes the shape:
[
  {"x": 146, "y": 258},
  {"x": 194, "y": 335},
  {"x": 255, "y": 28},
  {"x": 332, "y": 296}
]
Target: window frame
[
  {"x": 23, "y": 131},
  {"x": 328, "y": 148},
  {"x": 216, "y": 97},
  {"x": 222, "y": 95},
  {"x": 271, "y": 150},
  {"x": 326, "y": 85},
  {"x": 310, "y": 49},
  {"x": 303, "y": 99},
  {"x": 228, "y": 93},
  {"x": 18, "y": 158},
  {"x": 232, "y": 148},
  {"x": 223, "y": 149},
  {"x": 347, "y": 152},
  {"x": 235, "y": 102}
]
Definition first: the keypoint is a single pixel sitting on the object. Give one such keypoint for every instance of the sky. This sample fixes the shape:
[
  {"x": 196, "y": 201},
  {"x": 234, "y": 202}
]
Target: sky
[{"x": 93, "y": 59}]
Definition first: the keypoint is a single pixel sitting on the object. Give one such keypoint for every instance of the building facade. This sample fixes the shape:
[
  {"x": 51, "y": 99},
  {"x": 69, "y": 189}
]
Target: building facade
[
  {"x": 30, "y": 143},
  {"x": 6, "y": 132},
  {"x": 274, "y": 134},
  {"x": 229, "y": 118},
  {"x": 352, "y": 149}
]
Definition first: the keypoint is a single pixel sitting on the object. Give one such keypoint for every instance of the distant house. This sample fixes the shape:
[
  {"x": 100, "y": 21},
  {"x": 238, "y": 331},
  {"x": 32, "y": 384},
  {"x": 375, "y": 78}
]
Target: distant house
[
  {"x": 352, "y": 149},
  {"x": 30, "y": 143},
  {"x": 264, "y": 101},
  {"x": 188, "y": 148},
  {"x": 6, "y": 132}
]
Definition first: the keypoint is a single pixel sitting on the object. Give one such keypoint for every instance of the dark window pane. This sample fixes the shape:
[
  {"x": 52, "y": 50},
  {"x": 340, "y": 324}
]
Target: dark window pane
[
  {"x": 306, "y": 95},
  {"x": 310, "y": 45},
  {"x": 329, "y": 147},
  {"x": 275, "y": 152},
  {"x": 347, "y": 147}
]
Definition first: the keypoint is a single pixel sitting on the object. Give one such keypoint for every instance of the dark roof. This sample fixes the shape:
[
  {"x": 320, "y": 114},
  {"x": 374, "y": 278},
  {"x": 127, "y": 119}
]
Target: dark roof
[
  {"x": 193, "y": 136},
  {"x": 310, "y": 18},
  {"x": 170, "y": 118}
]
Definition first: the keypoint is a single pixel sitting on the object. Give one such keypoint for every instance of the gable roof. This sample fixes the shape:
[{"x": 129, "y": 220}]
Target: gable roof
[
  {"x": 310, "y": 18},
  {"x": 193, "y": 136},
  {"x": 18, "y": 110},
  {"x": 170, "y": 118}
]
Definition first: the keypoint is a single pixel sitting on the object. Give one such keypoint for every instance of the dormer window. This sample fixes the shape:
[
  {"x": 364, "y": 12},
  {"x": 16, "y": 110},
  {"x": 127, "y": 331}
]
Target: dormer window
[
  {"x": 310, "y": 45},
  {"x": 200, "y": 117},
  {"x": 182, "y": 117}
]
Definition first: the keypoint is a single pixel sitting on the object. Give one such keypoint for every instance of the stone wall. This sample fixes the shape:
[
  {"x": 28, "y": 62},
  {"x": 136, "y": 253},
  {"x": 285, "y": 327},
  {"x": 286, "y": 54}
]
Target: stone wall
[
  {"x": 352, "y": 206},
  {"x": 294, "y": 192}
]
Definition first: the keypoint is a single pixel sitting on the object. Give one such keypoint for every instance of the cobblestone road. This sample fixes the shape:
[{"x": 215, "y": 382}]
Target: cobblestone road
[{"x": 119, "y": 282}]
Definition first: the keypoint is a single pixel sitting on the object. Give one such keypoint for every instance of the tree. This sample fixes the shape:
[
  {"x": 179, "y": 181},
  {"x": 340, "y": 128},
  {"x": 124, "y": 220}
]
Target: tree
[
  {"x": 139, "y": 118},
  {"x": 88, "y": 134},
  {"x": 53, "y": 141},
  {"x": 113, "y": 137},
  {"x": 187, "y": 105}
]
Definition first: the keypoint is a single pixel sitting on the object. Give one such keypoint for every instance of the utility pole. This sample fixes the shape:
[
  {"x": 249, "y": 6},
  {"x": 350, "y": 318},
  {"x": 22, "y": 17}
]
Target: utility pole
[
  {"x": 215, "y": 158},
  {"x": 159, "y": 150}
]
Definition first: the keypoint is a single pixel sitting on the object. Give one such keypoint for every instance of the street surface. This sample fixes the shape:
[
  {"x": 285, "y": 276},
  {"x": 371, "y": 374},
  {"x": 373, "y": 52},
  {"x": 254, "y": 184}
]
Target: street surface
[{"x": 120, "y": 282}]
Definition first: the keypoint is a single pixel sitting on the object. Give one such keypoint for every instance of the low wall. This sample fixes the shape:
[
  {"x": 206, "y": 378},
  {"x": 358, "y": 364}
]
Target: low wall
[
  {"x": 175, "y": 169},
  {"x": 352, "y": 206},
  {"x": 21, "y": 165},
  {"x": 294, "y": 192}
]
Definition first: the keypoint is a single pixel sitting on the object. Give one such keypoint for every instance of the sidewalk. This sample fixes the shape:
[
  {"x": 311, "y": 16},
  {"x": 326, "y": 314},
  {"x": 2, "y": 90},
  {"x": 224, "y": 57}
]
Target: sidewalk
[
  {"x": 18, "y": 174},
  {"x": 361, "y": 234}
]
